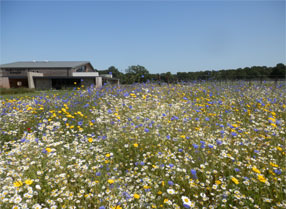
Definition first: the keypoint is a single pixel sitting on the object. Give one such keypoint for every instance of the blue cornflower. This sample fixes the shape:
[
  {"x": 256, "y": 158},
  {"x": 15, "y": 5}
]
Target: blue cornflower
[
  {"x": 236, "y": 169},
  {"x": 194, "y": 173},
  {"x": 277, "y": 171},
  {"x": 195, "y": 146},
  {"x": 146, "y": 130},
  {"x": 44, "y": 151},
  {"x": 170, "y": 183},
  {"x": 219, "y": 142},
  {"x": 126, "y": 195},
  {"x": 233, "y": 134},
  {"x": 210, "y": 146},
  {"x": 171, "y": 165}
]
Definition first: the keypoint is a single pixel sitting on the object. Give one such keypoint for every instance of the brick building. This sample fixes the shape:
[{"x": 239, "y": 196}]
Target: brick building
[{"x": 50, "y": 75}]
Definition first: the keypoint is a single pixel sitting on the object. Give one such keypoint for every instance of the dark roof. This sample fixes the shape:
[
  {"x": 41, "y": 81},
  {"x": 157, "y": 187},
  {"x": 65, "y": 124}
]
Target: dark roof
[{"x": 45, "y": 64}]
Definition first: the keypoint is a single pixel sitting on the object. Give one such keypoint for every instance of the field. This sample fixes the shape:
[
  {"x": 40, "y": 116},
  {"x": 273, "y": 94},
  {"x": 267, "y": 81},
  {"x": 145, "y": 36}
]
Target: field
[{"x": 201, "y": 145}]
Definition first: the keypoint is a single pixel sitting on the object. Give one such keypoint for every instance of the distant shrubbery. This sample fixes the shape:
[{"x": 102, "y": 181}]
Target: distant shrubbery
[
  {"x": 141, "y": 74},
  {"x": 15, "y": 91}
]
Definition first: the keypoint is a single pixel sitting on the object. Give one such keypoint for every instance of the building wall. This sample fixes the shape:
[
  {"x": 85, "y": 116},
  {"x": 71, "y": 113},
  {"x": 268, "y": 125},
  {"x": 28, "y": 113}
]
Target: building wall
[
  {"x": 52, "y": 71},
  {"x": 88, "y": 68},
  {"x": 14, "y": 72},
  {"x": 47, "y": 72},
  {"x": 4, "y": 82},
  {"x": 18, "y": 82},
  {"x": 43, "y": 83}
]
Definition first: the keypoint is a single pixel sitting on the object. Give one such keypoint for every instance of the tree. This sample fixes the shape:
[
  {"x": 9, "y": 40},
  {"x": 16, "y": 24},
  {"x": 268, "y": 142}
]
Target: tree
[
  {"x": 115, "y": 72},
  {"x": 278, "y": 72},
  {"x": 137, "y": 73}
]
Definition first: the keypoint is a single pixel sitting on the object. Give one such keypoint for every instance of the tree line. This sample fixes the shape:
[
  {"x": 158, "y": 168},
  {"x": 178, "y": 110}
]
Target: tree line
[{"x": 138, "y": 74}]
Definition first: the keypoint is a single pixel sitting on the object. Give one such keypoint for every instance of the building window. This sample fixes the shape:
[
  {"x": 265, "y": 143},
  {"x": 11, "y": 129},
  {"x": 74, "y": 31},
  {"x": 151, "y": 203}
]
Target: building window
[
  {"x": 15, "y": 71},
  {"x": 81, "y": 69}
]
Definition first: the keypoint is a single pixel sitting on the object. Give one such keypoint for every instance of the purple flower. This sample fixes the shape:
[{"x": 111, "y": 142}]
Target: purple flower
[
  {"x": 277, "y": 171},
  {"x": 126, "y": 195},
  {"x": 170, "y": 183},
  {"x": 194, "y": 173},
  {"x": 195, "y": 146},
  {"x": 186, "y": 206},
  {"x": 44, "y": 151},
  {"x": 233, "y": 134},
  {"x": 210, "y": 146}
]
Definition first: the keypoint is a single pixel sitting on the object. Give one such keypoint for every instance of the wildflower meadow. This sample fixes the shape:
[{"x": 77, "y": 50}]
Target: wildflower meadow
[{"x": 195, "y": 145}]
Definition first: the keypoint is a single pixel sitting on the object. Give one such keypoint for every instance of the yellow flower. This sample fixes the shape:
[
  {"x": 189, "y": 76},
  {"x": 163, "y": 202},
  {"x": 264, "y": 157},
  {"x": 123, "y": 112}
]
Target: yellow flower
[
  {"x": 166, "y": 200},
  {"x": 274, "y": 125},
  {"x": 235, "y": 180},
  {"x": 159, "y": 193},
  {"x": 256, "y": 170},
  {"x": 90, "y": 140},
  {"x": 18, "y": 183},
  {"x": 218, "y": 182},
  {"x": 136, "y": 196},
  {"x": 107, "y": 155},
  {"x": 117, "y": 207},
  {"x": 111, "y": 181},
  {"x": 29, "y": 181},
  {"x": 48, "y": 149},
  {"x": 274, "y": 165},
  {"x": 135, "y": 145},
  {"x": 261, "y": 178}
]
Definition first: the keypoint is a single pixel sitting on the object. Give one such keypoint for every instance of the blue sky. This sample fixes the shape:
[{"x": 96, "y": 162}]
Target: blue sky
[{"x": 160, "y": 35}]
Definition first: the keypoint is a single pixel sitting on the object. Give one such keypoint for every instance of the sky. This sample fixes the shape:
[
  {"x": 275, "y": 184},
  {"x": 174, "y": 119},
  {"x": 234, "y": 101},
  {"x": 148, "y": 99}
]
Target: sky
[{"x": 163, "y": 36}]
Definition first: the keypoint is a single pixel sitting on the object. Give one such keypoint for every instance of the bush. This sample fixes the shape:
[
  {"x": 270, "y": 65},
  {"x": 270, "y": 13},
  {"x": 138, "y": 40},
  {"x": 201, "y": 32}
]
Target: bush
[{"x": 15, "y": 91}]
